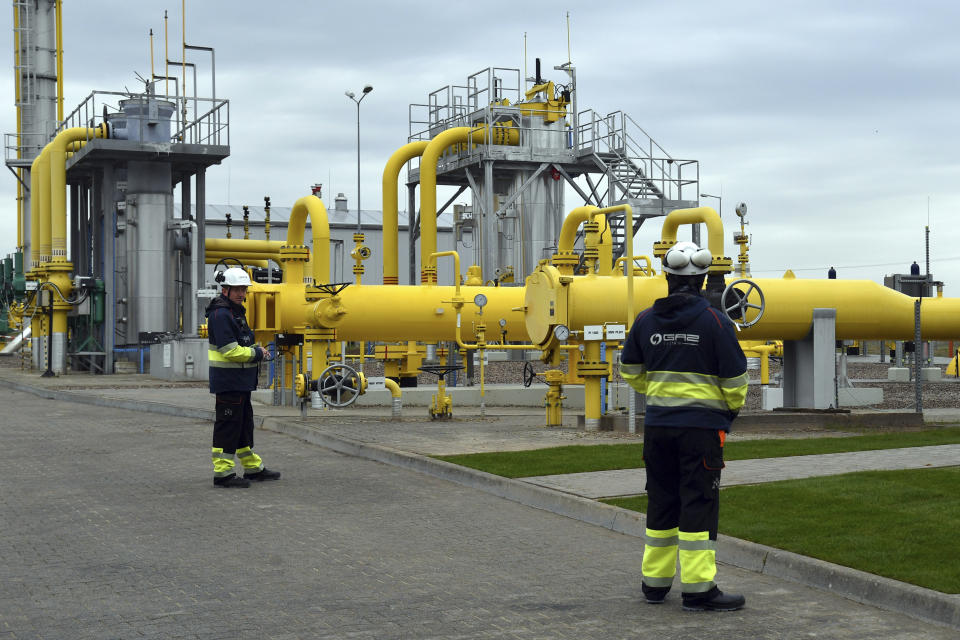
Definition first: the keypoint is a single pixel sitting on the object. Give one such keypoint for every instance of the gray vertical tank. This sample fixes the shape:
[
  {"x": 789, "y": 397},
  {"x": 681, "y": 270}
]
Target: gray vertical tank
[{"x": 151, "y": 260}]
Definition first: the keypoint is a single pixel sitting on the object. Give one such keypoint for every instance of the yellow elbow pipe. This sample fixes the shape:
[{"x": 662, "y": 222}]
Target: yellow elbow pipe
[
  {"x": 320, "y": 227},
  {"x": 58, "y": 184},
  {"x": 568, "y": 232},
  {"x": 393, "y": 387},
  {"x": 504, "y": 135},
  {"x": 391, "y": 208},
  {"x": 705, "y": 215}
]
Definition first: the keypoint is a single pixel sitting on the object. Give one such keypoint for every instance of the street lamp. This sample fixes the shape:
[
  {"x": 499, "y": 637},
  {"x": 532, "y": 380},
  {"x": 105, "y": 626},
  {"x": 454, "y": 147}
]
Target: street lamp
[
  {"x": 350, "y": 94},
  {"x": 719, "y": 202}
]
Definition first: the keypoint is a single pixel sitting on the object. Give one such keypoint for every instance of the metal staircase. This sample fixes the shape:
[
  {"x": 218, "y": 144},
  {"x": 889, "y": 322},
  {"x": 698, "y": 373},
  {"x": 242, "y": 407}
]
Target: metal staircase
[{"x": 638, "y": 171}]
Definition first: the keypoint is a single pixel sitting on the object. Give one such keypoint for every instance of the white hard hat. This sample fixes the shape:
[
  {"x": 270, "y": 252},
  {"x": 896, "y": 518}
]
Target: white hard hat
[
  {"x": 687, "y": 259},
  {"x": 233, "y": 277}
]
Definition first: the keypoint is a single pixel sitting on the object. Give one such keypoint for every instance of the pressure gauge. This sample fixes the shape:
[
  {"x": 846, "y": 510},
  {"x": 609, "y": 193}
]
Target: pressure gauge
[
  {"x": 561, "y": 332},
  {"x": 742, "y": 209},
  {"x": 480, "y": 300},
  {"x": 503, "y": 323}
]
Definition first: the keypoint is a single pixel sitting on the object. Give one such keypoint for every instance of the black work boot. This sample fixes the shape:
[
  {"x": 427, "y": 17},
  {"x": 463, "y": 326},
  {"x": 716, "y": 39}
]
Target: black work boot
[
  {"x": 263, "y": 474},
  {"x": 713, "y": 600},
  {"x": 655, "y": 595},
  {"x": 231, "y": 482}
]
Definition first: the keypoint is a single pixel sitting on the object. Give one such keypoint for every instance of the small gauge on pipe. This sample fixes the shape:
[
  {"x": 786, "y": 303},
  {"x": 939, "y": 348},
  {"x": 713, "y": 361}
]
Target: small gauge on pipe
[
  {"x": 480, "y": 300},
  {"x": 503, "y": 323},
  {"x": 561, "y": 332}
]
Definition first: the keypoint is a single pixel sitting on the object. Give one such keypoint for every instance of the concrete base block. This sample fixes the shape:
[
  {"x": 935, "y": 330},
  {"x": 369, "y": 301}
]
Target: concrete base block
[
  {"x": 771, "y": 398},
  {"x": 859, "y": 396},
  {"x": 898, "y": 374},
  {"x": 932, "y": 374}
]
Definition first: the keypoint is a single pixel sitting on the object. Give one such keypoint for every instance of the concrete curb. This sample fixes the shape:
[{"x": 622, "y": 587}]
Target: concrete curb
[{"x": 859, "y": 586}]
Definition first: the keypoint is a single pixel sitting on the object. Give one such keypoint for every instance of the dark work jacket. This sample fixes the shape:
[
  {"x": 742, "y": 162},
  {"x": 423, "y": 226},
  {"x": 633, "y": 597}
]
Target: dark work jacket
[
  {"x": 684, "y": 355},
  {"x": 233, "y": 356}
]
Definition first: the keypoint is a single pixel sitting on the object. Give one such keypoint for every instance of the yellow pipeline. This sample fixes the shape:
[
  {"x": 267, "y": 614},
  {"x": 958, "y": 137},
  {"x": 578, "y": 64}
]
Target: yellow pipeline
[
  {"x": 39, "y": 199},
  {"x": 502, "y": 135},
  {"x": 568, "y": 232},
  {"x": 320, "y": 229},
  {"x": 693, "y": 216},
  {"x": 267, "y": 248},
  {"x": 386, "y": 313},
  {"x": 865, "y": 309},
  {"x": 391, "y": 208},
  {"x": 58, "y": 184},
  {"x": 212, "y": 257}
]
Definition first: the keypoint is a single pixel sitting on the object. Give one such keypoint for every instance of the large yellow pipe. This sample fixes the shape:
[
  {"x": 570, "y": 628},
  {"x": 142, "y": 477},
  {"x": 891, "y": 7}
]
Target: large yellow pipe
[
  {"x": 504, "y": 135},
  {"x": 705, "y": 215},
  {"x": 391, "y": 207},
  {"x": 43, "y": 206},
  {"x": 320, "y": 229},
  {"x": 252, "y": 260},
  {"x": 271, "y": 247},
  {"x": 865, "y": 310},
  {"x": 58, "y": 184},
  {"x": 36, "y": 171}
]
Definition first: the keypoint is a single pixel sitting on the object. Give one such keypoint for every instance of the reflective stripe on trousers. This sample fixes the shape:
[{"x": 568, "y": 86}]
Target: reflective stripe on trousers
[
  {"x": 697, "y": 554},
  {"x": 660, "y": 557},
  {"x": 222, "y": 463},
  {"x": 698, "y": 561},
  {"x": 249, "y": 460}
]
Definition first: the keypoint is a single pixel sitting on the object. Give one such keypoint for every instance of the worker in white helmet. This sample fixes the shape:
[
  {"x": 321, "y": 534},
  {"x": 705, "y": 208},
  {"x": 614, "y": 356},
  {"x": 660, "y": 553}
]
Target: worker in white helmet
[
  {"x": 234, "y": 361},
  {"x": 684, "y": 355}
]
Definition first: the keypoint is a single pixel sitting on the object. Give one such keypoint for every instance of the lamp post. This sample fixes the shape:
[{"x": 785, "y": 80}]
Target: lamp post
[
  {"x": 719, "y": 202},
  {"x": 350, "y": 94}
]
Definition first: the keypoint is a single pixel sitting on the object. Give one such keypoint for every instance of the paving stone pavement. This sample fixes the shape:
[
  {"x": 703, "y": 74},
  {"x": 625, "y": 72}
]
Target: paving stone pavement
[
  {"x": 627, "y": 482},
  {"x": 111, "y": 529}
]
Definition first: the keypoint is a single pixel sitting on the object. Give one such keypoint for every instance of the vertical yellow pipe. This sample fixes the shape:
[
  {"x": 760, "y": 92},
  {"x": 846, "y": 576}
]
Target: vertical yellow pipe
[
  {"x": 58, "y": 10},
  {"x": 43, "y": 202},
  {"x": 591, "y": 387},
  {"x": 36, "y": 171},
  {"x": 391, "y": 208},
  {"x": 57, "y": 176}
]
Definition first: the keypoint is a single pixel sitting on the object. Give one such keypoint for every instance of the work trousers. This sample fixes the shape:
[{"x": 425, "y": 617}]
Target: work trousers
[
  {"x": 683, "y": 491},
  {"x": 233, "y": 433}
]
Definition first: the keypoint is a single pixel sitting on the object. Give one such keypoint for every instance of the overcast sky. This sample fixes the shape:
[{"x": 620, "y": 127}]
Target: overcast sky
[{"x": 836, "y": 122}]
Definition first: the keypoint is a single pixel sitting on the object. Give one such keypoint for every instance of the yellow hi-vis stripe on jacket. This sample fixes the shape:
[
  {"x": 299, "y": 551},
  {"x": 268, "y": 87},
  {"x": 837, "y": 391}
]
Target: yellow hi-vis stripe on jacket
[
  {"x": 635, "y": 375},
  {"x": 231, "y": 355},
  {"x": 683, "y": 389},
  {"x": 698, "y": 561}
]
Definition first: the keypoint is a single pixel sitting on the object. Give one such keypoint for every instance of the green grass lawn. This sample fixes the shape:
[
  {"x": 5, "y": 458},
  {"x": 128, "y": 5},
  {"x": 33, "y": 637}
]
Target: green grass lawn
[
  {"x": 898, "y": 524},
  {"x": 604, "y": 457}
]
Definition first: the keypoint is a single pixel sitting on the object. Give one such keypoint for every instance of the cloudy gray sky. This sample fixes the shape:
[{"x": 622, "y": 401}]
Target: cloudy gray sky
[{"x": 835, "y": 121}]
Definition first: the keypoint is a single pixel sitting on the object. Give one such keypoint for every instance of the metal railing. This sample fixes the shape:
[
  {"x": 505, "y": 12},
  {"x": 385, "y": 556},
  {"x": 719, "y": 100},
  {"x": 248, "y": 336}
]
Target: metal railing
[
  {"x": 636, "y": 162},
  {"x": 193, "y": 121}
]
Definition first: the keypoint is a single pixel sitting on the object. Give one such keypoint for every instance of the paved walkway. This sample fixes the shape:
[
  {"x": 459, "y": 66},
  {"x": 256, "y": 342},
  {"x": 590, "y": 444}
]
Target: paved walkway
[
  {"x": 347, "y": 547},
  {"x": 113, "y": 530},
  {"x": 626, "y": 482}
]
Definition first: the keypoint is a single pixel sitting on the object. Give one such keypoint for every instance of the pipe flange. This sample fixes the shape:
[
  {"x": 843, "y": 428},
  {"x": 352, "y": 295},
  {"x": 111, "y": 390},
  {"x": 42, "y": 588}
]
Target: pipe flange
[{"x": 660, "y": 247}]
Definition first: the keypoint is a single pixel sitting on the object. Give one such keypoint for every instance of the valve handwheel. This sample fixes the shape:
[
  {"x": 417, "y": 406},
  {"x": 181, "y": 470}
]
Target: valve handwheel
[
  {"x": 529, "y": 375},
  {"x": 737, "y": 309},
  {"x": 340, "y": 385}
]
